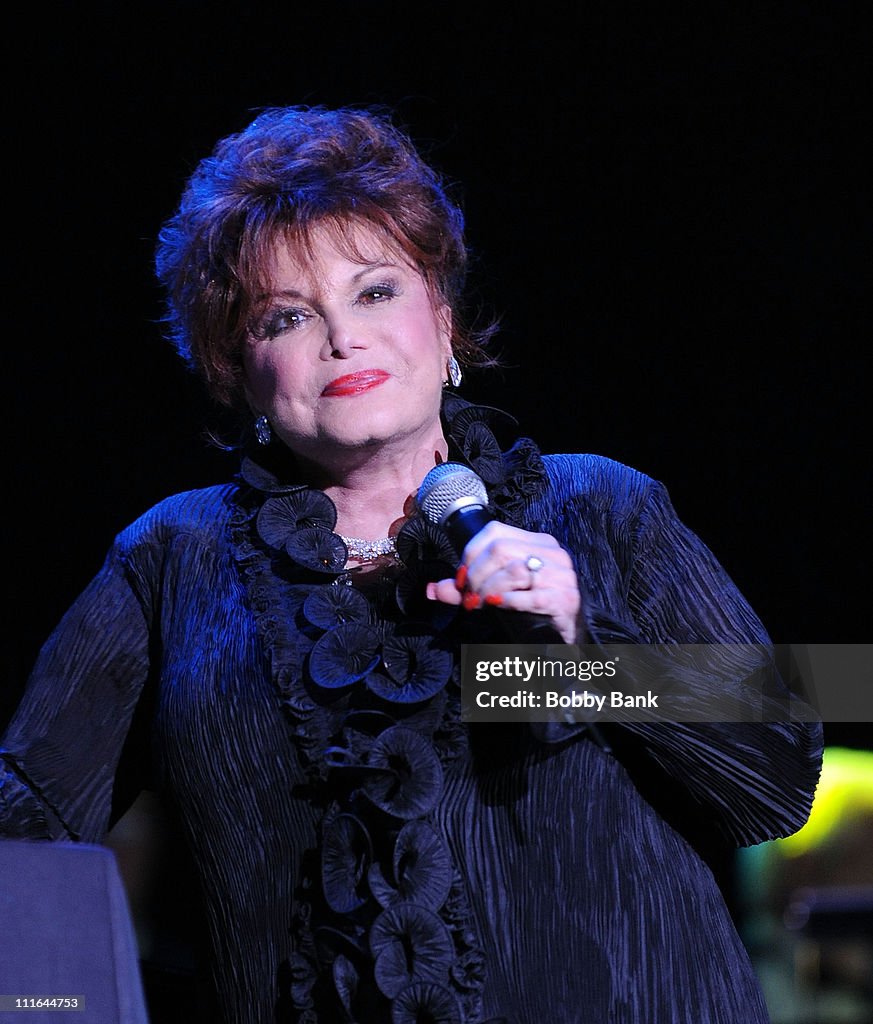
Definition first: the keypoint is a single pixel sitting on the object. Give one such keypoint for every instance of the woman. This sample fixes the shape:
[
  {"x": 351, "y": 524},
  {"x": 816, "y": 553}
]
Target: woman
[{"x": 288, "y": 645}]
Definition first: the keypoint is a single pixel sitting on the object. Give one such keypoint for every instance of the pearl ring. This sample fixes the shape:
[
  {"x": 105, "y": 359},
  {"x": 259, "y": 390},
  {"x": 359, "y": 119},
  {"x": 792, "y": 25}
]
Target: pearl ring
[{"x": 533, "y": 564}]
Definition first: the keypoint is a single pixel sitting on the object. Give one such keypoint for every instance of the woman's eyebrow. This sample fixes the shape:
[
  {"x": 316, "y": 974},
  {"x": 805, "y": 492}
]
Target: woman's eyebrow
[
  {"x": 294, "y": 293},
  {"x": 379, "y": 265}
]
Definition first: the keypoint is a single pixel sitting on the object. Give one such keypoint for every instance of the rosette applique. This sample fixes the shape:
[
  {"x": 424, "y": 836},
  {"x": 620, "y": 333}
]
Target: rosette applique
[
  {"x": 369, "y": 679},
  {"x": 280, "y": 517},
  {"x": 409, "y": 944},
  {"x": 416, "y": 780},
  {"x": 345, "y": 654},
  {"x": 422, "y": 1001},
  {"x": 481, "y": 448},
  {"x": 318, "y": 550},
  {"x": 346, "y": 856},
  {"x": 421, "y": 869},
  {"x": 332, "y": 606},
  {"x": 415, "y": 669}
]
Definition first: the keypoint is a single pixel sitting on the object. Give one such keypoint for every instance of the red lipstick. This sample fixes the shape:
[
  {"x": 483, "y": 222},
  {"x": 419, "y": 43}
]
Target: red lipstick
[{"x": 354, "y": 383}]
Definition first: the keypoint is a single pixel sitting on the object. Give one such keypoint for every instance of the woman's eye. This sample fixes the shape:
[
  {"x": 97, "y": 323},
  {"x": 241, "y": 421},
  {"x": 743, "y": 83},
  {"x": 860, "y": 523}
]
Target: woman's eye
[
  {"x": 377, "y": 293},
  {"x": 280, "y": 321}
]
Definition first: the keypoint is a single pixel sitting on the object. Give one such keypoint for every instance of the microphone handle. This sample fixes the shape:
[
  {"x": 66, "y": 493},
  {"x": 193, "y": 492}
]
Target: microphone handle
[
  {"x": 463, "y": 525},
  {"x": 518, "y": 627}
]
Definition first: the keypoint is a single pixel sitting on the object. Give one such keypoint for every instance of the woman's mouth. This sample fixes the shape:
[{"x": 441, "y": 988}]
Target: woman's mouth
[{"x": 354, "y": 383}]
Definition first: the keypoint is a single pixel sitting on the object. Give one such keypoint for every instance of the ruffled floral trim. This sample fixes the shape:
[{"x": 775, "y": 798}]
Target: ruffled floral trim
[
  {"x": 514, "y": 475},
  {"x": 370, "y": 684}
]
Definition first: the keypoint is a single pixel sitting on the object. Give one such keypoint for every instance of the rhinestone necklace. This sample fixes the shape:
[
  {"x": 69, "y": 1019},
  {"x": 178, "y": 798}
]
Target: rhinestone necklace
[{"x": 369, "y": 550}]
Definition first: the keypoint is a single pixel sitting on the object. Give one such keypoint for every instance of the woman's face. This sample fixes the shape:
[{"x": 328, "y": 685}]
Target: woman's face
[{"x": 348, "y": 354}]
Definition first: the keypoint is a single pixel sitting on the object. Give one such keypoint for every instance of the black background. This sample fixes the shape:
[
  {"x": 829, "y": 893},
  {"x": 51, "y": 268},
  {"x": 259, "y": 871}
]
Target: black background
[{"x": 666, "y": 206}]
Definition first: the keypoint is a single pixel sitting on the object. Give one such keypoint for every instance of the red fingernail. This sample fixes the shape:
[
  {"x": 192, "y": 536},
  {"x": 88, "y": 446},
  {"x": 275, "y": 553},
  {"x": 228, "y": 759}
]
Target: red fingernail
[
  {"x": 461, "y": 578},
  {"x": 472, "y": 601},
  {"x": 494, "y": 599}
]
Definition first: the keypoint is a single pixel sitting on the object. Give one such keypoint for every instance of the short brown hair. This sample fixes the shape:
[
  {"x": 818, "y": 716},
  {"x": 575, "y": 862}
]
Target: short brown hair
[{"x": 290, "y": 170}]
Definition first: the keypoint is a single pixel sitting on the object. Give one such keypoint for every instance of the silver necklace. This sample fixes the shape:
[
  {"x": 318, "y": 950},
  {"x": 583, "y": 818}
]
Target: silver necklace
[{"x": 369, "y": 550}]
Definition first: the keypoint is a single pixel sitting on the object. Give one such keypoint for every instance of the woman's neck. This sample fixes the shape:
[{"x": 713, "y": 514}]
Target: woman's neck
[{"x": 374, "y": 493}]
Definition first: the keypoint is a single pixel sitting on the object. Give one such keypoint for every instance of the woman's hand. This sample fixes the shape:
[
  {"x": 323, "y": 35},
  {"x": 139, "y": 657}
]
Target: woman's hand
[{"x": 515, "y": 569}]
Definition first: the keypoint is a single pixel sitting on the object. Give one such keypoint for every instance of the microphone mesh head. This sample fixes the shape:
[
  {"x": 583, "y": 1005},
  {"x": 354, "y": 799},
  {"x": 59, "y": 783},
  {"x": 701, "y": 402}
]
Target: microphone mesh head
[{"x": 448, "y": 487}]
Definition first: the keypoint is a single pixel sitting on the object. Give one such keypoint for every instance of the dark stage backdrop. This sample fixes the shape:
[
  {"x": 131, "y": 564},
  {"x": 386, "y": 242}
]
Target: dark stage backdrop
[{"x": 667, "y": 208}]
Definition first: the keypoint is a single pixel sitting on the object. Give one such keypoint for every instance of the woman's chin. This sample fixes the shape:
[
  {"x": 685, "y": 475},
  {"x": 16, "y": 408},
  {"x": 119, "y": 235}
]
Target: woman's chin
[{"x": 377, "y": 429}]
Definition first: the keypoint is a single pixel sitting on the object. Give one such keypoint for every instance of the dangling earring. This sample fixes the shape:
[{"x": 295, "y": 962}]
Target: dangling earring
[
  {"x": 454, "y": 370},
  {"x": 263, "y": 432}
]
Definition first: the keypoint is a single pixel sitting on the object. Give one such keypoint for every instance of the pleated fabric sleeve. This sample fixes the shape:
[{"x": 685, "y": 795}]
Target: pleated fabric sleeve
[
  {"x": 60, "y": 753},
  {"x": 651, "y": 580}
]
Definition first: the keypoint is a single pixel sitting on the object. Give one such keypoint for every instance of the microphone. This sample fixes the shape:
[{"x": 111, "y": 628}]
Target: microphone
[{"x": 454, "y": 498}]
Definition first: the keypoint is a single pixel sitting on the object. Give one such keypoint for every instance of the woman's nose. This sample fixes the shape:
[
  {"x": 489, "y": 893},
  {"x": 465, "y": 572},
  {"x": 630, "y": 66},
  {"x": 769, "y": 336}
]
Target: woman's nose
[{"x": 344, "y": 335}]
